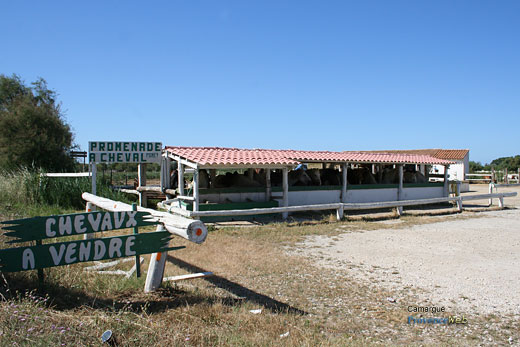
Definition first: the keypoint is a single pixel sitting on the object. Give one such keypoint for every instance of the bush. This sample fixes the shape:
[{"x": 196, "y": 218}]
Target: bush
[{"x": 24, "y": 188}]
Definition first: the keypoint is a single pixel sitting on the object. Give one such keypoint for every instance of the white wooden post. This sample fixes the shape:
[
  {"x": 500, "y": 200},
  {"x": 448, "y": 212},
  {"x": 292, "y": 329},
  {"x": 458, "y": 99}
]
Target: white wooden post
[
  {"x": 155, "y": 274},
  {"x": 339, "y": 213},
  {"x": 180, "y": 176},
  {"x": 267, "y": 184},
  {"x": 94, "y": 178},
  {"x": 162, "y": 175},
  {"x": 501, "y": 202},
  {"x": 400, "y": 191},
  {"x": 212, "y": 177},
  {"x": 490, "y": 202},
  {"x": 88, "y": 208},
  {"x": 196, "y": 190},
  {"x": 344, "y": 183},
  {"x": 285, "y": 186},
  {"x": 459, "y": 204},
  {"x": 168, "y": 170},
  {"x": 141, "y": 179},
  {"x": 446, "y": 181}
]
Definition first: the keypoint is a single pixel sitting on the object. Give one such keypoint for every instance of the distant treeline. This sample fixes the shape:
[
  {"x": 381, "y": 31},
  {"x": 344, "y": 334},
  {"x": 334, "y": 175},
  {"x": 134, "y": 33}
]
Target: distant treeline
[{"x": 509, "y": 163}]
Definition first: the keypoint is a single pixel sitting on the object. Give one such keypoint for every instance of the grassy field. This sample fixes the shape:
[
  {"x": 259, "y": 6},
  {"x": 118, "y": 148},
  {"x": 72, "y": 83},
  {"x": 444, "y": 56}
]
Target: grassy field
[{"x": 300, "y": 303}]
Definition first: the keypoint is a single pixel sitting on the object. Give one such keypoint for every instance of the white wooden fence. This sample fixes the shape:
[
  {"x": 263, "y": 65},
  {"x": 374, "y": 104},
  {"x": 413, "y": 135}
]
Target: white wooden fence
[
  {"x": 339, "y": 207},
  {"x": 189, "y": 229},
  {"x": 66, "y": 174},
  {"x": 494, "y": 176}
]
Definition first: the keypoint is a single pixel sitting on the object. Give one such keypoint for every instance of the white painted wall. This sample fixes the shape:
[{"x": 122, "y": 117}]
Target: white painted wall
[
  {"x": 312, "y": 197},
  {"x": 456, "y": 172}
]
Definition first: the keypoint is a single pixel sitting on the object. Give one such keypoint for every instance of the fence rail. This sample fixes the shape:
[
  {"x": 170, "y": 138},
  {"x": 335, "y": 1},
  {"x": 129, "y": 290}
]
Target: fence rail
[
  {"x": 339, "y": 207},
  {"x": 66, "y": 174}
]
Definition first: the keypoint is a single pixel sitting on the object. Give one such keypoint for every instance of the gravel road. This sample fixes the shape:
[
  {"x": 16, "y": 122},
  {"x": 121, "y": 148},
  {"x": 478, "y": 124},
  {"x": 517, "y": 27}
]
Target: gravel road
[{"x": 468, "y": 263}]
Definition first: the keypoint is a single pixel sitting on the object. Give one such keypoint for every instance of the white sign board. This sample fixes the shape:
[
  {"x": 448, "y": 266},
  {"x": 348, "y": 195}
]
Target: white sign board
[{"x": 124, "y": 152}]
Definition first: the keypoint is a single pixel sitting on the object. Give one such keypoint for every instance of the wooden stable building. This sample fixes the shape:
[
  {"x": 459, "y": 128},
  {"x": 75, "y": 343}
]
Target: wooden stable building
[{"x": 212, "y": 161}]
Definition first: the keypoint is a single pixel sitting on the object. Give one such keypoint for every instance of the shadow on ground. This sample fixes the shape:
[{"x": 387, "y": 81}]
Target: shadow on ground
[{"x": 239, "y": 290}]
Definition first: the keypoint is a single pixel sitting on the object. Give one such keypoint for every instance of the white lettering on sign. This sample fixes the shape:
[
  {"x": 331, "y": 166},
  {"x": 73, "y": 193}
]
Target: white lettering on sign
[
  {"x": 78, "y": 224},
  {"x": 64, "y": 226},
  {"x": 70, "y": 254},
  {"x": 56, "y": 256},
  {"x": 125, "y": 152},
  {"x": 114, "y": 247},
  {"x": 129, "y": 243},
  {"x": 99, "y": 249},
  {"x": 27, "y": 259},
  {"x": 84, "y": 251},
  {"x": 48, "y": 224},
  {"x": 118, "y": 219},
  {"x": 94, "y": 222},
  {"x": 131, "y": 219},
  {"x": 107, "y": 222},
  {"x": 73, "y": 252}
]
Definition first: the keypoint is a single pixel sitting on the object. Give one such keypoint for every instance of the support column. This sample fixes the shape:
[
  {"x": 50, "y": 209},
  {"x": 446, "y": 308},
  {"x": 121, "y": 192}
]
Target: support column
[
  {"x": 250, "y": 174},
  {"x": 446, "y": 181},
  {"x": 491, "y": 185},
  {"x": 141, "y": 179},
  {"x": 89, "y": 208},
  {"x": 344, "y": 171},
  {"x": 94, "y": 178},
  {"x": 459, "y": 204},
  {"x": 196, "y": 190},
  {"x": 180, "y": 176},
  {"x": 400, "y": 190},
  {"x": 168, "y": 170},
  {"x": 164, "y": 174},
  {"x": 155, "y": 274},
  {"x": 212, "y": 177},
  {"x": 267, "y": 184},
  {"x": 285, "y": 186}
]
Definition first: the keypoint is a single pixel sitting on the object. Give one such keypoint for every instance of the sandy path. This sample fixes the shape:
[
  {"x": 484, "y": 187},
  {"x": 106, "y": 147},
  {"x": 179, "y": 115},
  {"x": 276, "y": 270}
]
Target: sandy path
[{"x": 460, "y": 263}]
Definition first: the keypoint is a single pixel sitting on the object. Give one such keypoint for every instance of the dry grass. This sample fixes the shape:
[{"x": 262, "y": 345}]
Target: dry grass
[{"x": 253, "y": 270}]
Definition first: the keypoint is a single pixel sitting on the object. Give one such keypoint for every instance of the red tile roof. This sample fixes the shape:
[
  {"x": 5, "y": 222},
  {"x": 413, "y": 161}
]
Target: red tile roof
[
  {"x": 447, "y": 154},
  {"x": 451, "y": 154},
  {"x": 218, "y": 156}
]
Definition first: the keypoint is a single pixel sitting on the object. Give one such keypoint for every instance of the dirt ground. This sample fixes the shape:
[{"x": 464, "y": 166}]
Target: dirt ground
[{"x": 468, "y": 263}]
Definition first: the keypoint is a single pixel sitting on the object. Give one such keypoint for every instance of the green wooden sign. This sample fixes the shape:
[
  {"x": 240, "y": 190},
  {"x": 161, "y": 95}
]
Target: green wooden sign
[
  {"x": 65, "y": 253},
  {"x": 40, "y": 228}
]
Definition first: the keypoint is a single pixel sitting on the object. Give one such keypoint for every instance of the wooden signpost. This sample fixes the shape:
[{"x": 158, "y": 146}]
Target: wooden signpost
[
  {"x": 140, "y": 153},
  {"x": 42, "y": 255}
]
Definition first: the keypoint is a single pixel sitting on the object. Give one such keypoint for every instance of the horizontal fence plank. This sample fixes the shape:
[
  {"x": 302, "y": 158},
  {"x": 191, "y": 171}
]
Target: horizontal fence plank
[
  {"x": 334, "y": 206},
  {"x": 188, "y": 276},
  {"x": 191, "y": 230},
  {"x": 66, "y": 174}
]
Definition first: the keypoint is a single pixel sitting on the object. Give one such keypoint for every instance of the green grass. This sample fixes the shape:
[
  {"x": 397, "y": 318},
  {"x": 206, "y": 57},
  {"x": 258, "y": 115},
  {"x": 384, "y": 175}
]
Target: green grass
[{"x": 27, "y": 193}]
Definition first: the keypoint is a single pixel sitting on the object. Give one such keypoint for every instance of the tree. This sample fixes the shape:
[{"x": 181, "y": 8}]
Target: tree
[
  {"x": 509, "y": 163},
  {"x": 475, "y": 166},
  {"x": 33, "y": 131}
]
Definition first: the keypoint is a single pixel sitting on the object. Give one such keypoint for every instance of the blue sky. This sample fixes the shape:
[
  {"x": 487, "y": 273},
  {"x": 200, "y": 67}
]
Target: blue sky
[{"x": 323, "y": 75}]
